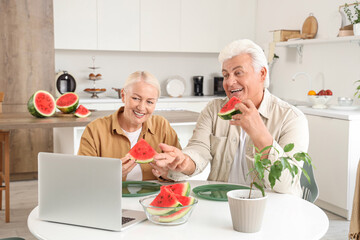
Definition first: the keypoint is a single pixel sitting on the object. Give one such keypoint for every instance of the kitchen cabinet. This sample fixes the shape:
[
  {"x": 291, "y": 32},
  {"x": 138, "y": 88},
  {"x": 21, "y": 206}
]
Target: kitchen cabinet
[
  {"x": 334, "y": 148},
  {"x": 208, "y": 26},
  {"x": 118, "y": 25},
  {"x": 152, "y": 25},
  {"x": 160, "y": 25},
  {"x": 97, "y": 24},
  {"x": 75, "y": 24}
]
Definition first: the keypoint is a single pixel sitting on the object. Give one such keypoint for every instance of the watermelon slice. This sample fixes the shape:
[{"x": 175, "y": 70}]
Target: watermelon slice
[
  {"x": 41, "y": 104},
  {"x": 165, "y": 202},
  {"x": 142, "y": 152},
  {"x": 82, "y": 112},
  {"x": 229, "y": 109},
  {"x": 182, "y": 211},
  {"x": 68, "y": 102},
  {"x": 179, "y": 188}
]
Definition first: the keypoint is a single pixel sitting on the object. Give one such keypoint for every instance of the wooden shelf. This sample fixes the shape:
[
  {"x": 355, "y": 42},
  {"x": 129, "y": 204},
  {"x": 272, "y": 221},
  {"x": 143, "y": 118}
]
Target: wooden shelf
[{"x": 302, "y": 42}]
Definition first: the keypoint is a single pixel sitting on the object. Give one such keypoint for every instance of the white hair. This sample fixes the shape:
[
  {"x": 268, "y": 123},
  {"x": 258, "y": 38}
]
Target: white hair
[
  {"x": 246, "y": 46},
  {"x": 142, "y": 76}
]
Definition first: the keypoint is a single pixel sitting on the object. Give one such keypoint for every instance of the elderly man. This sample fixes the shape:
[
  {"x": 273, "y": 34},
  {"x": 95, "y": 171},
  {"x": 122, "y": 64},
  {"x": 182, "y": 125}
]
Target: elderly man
[{"x": 229, "y": 145}]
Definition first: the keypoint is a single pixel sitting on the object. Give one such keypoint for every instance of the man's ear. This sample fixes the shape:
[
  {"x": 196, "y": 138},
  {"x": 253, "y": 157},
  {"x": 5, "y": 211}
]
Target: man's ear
[{"x": 263, "y": 73}]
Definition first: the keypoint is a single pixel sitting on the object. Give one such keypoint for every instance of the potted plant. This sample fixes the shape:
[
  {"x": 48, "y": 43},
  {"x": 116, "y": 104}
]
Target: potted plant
[
  {"x": 354, "y": 18},
  {"x": 357, "y": 92},
  {"x": 248, "y": 206}
]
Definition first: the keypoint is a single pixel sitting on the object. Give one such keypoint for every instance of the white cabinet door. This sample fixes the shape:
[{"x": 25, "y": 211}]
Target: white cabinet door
[
  {"x": 160, "y": 25},
  {"x": 208, "y": 26},
  {"x": 119, "y": 25},
  {"x": 75, "y": 24},
  {"x": 329, "y": 141},
  {"x": 199, "y": 25},
  {"x": 237, "y": 21}
]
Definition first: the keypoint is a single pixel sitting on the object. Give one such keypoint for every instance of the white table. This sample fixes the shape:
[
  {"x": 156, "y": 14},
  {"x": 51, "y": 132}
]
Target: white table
[{"x": 286, "y": 217}]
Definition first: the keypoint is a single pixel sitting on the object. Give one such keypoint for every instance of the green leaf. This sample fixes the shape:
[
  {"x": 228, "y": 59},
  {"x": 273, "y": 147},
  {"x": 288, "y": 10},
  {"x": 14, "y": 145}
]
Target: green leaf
[
  {"x": 300, "y": 156},
  {"x": 265, "y": 148},
  {"x": 259, "y": 168},
  {"x": 260, "y": 188},
  {"x": 288, "y": 147},
  {"x": 266, "y": 162},
  {"x": 287, "y": 165},
  {"x": 275, "y": 173}
]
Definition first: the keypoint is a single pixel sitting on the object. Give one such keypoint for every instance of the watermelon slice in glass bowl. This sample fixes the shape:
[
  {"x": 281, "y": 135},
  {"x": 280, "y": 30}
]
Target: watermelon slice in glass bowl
[{"x": 168, "y": 208}]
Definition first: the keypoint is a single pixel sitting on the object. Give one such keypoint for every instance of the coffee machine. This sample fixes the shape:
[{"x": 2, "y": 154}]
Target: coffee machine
[{"x": 198, "y": 85}]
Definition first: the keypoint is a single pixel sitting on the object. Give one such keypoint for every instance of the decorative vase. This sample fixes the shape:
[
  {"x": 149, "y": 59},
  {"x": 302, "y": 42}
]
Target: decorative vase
[
  {"x": 246, "y": 213},
  {"x": 356, "y": 29}
]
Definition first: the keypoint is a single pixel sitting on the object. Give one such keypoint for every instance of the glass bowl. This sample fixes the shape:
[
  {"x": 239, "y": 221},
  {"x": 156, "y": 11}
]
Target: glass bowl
[
  {"x": 166, "y": 215},
  {"x": 319, "y": 101},
  {"x": 345, "y": 101}
]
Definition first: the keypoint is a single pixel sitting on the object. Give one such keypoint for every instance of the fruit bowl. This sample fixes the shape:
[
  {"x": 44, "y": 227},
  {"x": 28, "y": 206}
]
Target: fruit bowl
[
  {"x": 319, "y": 101},
  {"x": 167, "y": 215}
]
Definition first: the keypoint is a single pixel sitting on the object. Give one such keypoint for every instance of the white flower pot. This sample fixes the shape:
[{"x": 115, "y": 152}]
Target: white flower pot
[
  {"x": 356, "y": 29},
  {"x": 246, "y": 214}
]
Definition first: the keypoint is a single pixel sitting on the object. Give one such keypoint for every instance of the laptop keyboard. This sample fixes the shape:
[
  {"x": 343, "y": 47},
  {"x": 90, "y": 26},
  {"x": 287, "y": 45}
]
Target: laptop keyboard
[{"x": 127, "y": 219}]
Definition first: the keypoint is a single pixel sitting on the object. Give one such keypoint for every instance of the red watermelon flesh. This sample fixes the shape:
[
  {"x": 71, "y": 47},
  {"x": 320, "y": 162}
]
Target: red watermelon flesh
[
  {"x": 164, "y": 203},
  {"x": 82, "y": 112},
  {"x": 182, "y": 211},
  {"x": 41, "y": 104},
  {"x": 229, "y": 110},
  {"x": 180, "y": 188},
  {"x": 142, "y": 152},
  {"x": 67, "y": 102}
]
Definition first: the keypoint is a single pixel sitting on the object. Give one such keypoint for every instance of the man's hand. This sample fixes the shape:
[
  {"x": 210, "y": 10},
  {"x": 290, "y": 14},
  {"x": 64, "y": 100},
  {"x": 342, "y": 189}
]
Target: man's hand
[
  {"x": 250, "y": 121},
  {"x": 172, "y": 158}
]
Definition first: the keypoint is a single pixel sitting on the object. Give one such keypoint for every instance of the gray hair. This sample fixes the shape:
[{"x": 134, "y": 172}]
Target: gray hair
[
  {"x": 142, "y": 76},
  {"x": 246, "y": 46}
]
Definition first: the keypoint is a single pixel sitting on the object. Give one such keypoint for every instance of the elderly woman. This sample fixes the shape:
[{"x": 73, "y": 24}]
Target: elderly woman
[{"x": 113, "y": 136}]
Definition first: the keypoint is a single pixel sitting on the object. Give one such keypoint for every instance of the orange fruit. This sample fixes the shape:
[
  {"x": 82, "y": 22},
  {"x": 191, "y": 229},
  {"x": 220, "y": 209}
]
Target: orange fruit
[{"x": 311, "y": 92}]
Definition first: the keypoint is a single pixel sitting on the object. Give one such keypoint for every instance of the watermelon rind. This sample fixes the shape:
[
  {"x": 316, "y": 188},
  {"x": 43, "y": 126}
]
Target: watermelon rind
[
  {"x": 37, "y": 112},
  {"x": 141, "y": 149},
  {"x": 78, "y": 113},
  {"x": 68, "y": 108},
  {"x": 228, "y": 115},
  {"x": 180, "y": 188},
  {"x": 181, "y": 212}
]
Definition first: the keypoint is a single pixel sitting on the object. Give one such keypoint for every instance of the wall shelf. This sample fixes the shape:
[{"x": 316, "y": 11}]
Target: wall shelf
[{"x": 298, "y": 44}]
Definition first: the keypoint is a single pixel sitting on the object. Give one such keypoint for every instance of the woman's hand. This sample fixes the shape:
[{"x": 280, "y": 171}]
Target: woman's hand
[
  {"x": 127, "y": 164},
  {"x": 172, "y": 158}
]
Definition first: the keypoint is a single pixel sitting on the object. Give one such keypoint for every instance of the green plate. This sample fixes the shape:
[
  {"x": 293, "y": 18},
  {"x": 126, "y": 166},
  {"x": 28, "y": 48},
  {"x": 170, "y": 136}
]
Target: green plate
[
  {"x": 139, "y": 188},
  {"x": 216, "y": 192}
]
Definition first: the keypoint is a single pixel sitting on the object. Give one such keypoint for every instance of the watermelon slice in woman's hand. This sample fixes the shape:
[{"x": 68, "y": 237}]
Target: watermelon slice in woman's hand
[
  {"x": 229, "y": 110},
  {"x": 142, "y": 152}
]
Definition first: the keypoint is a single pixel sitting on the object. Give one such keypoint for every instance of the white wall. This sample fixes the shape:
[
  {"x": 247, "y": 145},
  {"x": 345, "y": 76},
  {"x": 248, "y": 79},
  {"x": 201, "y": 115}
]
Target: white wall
[
  {"x": 339, "y": 62},
  {"x": 117, "y": 65}
]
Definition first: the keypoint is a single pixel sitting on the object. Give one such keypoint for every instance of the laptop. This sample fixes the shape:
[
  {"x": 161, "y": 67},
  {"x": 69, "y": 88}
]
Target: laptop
[{"x": 84, "y": 191}]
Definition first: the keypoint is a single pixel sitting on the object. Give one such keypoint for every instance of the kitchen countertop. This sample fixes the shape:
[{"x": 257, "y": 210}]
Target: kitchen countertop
[
  {"x": 161, "y": 99},
  {"x": 26, "y": 120},
  {"x": 349, "y": 115}
]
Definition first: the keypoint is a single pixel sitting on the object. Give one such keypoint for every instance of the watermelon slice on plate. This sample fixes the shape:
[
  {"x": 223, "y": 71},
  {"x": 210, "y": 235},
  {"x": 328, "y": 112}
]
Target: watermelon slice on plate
[
  {"x": 41, "y": 104},
  {"x": 68, "y": 102},
  {"x": 182, "y": 189},
  {"x": 82, "y": 112},
  {"x": 229, "y": 110},
  {"x": 142, "y": 152}
]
